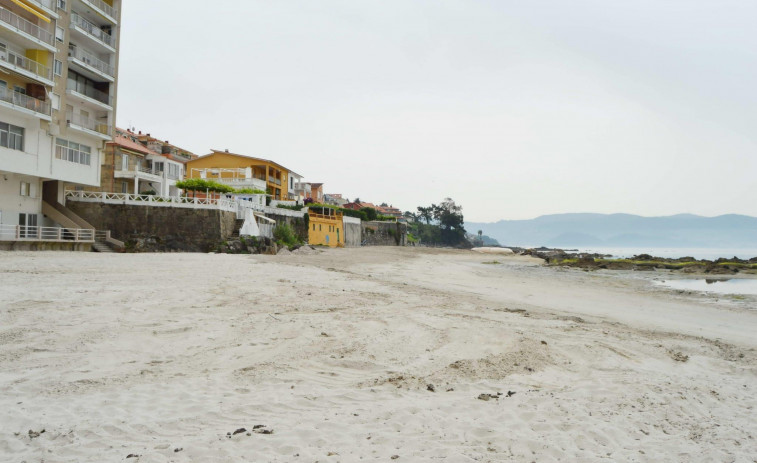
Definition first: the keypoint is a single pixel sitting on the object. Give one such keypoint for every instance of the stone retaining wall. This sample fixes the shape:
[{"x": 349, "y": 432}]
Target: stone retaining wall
[
  {"x": 384, "y": 234},
  {"x": 148, "y": 229}
]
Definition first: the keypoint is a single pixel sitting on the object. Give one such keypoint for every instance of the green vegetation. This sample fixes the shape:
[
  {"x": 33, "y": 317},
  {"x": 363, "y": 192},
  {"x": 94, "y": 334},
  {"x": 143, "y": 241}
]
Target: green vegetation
[
  {"x": 492, "y": 262},
  {"x": 443, "y": 227},
  {"x": 295, "y": 207},
  {"x": 201, "y": 184},
  {"x": 250, "y": 191},
  {"x": 285, "y": 236}
]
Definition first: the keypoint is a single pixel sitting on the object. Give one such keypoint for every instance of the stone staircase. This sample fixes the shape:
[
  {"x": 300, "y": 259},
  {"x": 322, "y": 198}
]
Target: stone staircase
[{"x": 100, "y": 246}]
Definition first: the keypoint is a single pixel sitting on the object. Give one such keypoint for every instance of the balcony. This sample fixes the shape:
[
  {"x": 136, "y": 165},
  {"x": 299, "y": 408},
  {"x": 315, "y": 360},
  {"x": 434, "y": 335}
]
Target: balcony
[
  {"x": 275, "y": 180},
  {"x": 26, "y": 67},
  {"x": 25, "y": 104},
  {"x": 107, "y": 11},
  {"x": 87, "y": 94},
  {"x": 89, "y": 126},
  {"x": 94, "y": 32},
  {"x": 138, "y": 172},
  {"x": 48, "y": 6},
  {"x": 31, "y": 33},
  {"x": 91, "y": 65}
]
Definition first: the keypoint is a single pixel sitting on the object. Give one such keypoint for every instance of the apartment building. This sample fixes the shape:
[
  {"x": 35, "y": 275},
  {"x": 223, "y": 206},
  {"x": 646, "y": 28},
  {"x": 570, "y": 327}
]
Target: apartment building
[{"x": 58, "y": 85}]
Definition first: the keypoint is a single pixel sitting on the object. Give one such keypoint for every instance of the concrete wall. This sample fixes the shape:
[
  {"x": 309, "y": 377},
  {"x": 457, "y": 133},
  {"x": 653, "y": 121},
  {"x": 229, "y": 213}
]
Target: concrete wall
[
  {"x": 13, "y": 203},
  {"x": 384, "y": 233},
  {"x": 353, "y": 231},
  {"x": 298, "y": 224},
  {"x": 147, "y": 228}
]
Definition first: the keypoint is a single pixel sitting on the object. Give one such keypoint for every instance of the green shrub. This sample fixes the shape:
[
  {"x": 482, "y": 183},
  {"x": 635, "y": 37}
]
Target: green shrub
[
  {"x": 370, "y": 212},
  {"x": 285, "y": 236},
  {"x": 295, "y": 207},
  {"x": 250, "y": 191}
]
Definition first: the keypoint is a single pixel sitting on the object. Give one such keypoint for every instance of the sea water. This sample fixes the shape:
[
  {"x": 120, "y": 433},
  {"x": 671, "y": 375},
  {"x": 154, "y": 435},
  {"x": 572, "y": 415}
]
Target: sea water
[
  {"x": 714, "y": 285},
  {"x": 674, "y": 253}
]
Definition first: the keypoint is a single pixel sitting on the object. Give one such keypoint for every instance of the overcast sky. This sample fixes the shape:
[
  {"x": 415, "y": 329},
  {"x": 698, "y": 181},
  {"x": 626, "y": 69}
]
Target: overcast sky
[{"x": 514, "y": 109}]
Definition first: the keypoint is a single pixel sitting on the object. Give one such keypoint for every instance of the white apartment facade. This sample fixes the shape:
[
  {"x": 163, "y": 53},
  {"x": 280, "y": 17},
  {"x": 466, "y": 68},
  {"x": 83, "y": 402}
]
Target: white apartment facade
[{"x": 58, "y": 69}]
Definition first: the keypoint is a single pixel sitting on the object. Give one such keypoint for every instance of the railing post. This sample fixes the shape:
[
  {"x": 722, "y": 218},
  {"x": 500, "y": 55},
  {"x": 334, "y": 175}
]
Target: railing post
[
  {"x": 60, "y": 233},
  {"x": 76, "y": 234},
  {"x": 18, "y": 231}
]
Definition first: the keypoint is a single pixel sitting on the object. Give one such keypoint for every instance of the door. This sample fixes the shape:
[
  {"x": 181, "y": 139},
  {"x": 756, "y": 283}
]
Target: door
[{"x": 28, "y": 223}]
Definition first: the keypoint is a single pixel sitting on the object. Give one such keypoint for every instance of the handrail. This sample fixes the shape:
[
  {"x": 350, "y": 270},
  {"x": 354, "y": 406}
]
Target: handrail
[
  {"x": 102, "y": 6},
  {"x": 89, "y": 92},
  {"x": 92, "y": 60},
  {"x": 87, "y": 123},
  {"x": 92, "y": 30},
  {"x": 25, "y": 101},
  {"x": 22, "y": 25},
  {"x": 35, "y": 233},
  {"x": 27, "y": 64},
  {"x": 98, "y": 196},
  {"x": 45, "y": 4}
]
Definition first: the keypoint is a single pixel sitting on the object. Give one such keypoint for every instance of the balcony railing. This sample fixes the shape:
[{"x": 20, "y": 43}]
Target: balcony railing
[
  {"x": 102, "y": 6},
  {"x": 22, "y": 25},
  {"x": 49, "y": 4},
  {"x": 87, "y": 123},
  {"x": 92, "y": 60},
  {"x": 93, "y": 31},
  {"x": 25, "y": 63},
  {"x": 89, "y": 92},
  {"x": 24, "y": 101},
  {"x": 34, "y": 233}
]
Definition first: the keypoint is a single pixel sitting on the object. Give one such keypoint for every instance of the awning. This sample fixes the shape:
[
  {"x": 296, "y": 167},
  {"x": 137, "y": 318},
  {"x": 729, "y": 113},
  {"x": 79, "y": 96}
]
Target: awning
[{"x": 33, "y": 10}]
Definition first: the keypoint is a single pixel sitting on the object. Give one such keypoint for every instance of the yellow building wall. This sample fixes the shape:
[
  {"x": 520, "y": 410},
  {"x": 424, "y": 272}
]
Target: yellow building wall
[{"x": 326, "y": 232}]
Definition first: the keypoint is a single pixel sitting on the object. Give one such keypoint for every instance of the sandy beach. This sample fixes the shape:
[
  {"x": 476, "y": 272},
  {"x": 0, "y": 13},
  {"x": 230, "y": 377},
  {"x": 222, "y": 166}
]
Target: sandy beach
[{"x": 366, "y": 354}]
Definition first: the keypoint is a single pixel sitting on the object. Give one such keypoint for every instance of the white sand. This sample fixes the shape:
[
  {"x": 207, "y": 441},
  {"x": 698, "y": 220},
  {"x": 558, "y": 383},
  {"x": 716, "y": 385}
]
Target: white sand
[{"x": 143, "y": 354}]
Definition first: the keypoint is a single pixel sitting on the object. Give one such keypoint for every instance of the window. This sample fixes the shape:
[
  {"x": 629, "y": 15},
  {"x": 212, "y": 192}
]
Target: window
[
  {"x": 26, "y": 189},
  {"x": 124, "y": 162},
  {"x": 124, "y": 187},
  {"x": 28, "y": 224},
  {"x": 59, "y": 34},
  {"x": 19, "y": 89},
  {"x": 61, "y": 4},
  {"x": 55, "y": 101},
  {"x": 58, "y": 68},
  {"x": 11, "y": 136},
  {"x": 73, "y": 152}
]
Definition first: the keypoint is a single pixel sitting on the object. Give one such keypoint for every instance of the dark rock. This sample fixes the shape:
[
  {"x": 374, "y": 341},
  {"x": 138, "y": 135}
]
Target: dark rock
[
  {"x": 239, "y": 431},
  {"x": 510, "y": 393},
  {"x": 133, "y": 455},
  {"x": 178, "y": 449},
  {"x": 430, "y": 387}
]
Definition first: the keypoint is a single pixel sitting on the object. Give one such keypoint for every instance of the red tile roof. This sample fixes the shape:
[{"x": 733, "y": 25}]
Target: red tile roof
[{"x": 123, "y": 140}]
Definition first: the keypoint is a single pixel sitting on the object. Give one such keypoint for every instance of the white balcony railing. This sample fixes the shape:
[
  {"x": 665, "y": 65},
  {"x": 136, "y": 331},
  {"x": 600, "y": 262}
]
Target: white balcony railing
[
  {"x": 27, "y": 64},
  {"x": 49, "y": 4},
  {"x": 29, "y": 233},
  {"x": 88, "y": 123},
  {"x": 92, "y": 60},
  {"x": 152, "y": 200},
  {"x": 89, "y": 92},
  {"x": 22, "y": 25},
  {"x": 102, "y": 6},
  {"x": 92, "y": 30},
  {"x": 24, "y": 101}
]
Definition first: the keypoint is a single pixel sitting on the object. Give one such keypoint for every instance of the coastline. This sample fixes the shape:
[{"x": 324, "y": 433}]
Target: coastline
[{"x": 335, "y": 352}]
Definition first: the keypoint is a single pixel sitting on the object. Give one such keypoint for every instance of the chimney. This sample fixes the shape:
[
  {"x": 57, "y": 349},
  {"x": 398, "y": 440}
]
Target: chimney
[{"x": 227, "y": 150}]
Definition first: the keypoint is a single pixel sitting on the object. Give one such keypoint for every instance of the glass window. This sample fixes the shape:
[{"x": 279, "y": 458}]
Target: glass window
[
  {"x": 58, "y": 68},
  {"x": 59, "y": 34},
  {"x": 11, "y": 136}
]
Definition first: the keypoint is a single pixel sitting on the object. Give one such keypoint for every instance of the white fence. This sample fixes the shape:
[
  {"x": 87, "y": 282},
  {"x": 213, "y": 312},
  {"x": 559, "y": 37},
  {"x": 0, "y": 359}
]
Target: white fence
[
  {"x": 223, "y": 204},
  {"x": 30, "y": 233}
]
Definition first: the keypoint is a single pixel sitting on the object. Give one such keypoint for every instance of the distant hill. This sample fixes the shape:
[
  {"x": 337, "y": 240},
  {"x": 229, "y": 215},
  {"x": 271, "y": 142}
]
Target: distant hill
[{"x": 624, "y": 230}]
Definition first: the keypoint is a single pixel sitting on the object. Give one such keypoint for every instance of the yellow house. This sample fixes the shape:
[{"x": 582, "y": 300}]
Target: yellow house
[
  {"x": 326, "y": 229},
  {"x": 242, "y": 171}
]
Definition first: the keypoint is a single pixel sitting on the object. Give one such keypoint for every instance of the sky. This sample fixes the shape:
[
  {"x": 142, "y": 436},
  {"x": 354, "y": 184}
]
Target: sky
[{"x": 514, "y": 109}]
